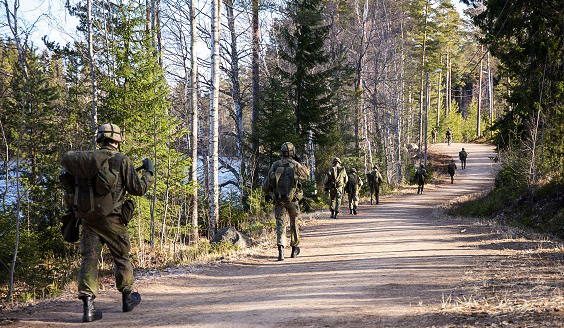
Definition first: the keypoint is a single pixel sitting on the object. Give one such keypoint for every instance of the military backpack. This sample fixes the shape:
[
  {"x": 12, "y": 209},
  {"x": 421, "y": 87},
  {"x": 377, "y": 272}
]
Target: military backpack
[
  {"x": 91, "y": 182},
  {"x": 284, "y": 182}
]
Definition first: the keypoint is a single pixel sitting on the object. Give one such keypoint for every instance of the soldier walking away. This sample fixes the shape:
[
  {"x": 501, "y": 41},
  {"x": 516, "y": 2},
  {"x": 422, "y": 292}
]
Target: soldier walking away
[
  {"x": 353, "y": 189},
  {"x": 449, "y": 135},
  {"x": 335, "y": 181},
  {"x": 452, "y": 170},
  {"x": 374, "y": 181},
  {"x": 420, "y": 176},
  {"x": 283, "y": 185},
  {"x": 462, "y": 155},
  {"x": 434, "y": 135},
  {"x": 95, "y": 184}
]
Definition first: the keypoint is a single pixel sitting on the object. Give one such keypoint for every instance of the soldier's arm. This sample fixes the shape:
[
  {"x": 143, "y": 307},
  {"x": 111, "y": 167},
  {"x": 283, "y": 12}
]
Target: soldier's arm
[
  {"x": 301, "y": 170},
  {"x": 132, "y": 183},
  {"x": 266, "y": 183}
]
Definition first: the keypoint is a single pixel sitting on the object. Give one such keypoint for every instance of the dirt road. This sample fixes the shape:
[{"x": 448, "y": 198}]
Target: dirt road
[{"x": 389, "y": 266}]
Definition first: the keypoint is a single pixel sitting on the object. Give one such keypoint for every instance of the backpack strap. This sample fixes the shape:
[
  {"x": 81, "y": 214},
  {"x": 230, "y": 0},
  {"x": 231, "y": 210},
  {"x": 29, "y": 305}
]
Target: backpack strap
[{"x": 75, "y": 193}]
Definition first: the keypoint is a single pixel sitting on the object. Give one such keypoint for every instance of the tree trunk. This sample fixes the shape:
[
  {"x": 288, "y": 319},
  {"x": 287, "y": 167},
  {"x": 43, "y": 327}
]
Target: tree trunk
[
  {"x": 422, "y": 78},
  {"x": 12, "y": 18},
  {"x": 478, "y": 120},
  {"x": 214, "y": 120},
  {"x": 255, "y": 86},
  {"x": 194, "y": 112},
  {"x": 93, "y": 74},
  {"x": 237, "y": 101},
  {"x": 490, "y": 92}
]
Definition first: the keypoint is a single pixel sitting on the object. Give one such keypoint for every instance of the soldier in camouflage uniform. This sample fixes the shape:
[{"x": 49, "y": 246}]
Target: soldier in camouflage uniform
[
  {"x": 374, "y": 181},
  {"x": 353, "y": 189},
  {"x": 451, "y": 170},
  {"x": 335, "y": 181},
  {"x": 110, "y": 230},
  {"x": 287, "y": 202},
  {"x": 462, "y": 155},
  {"x": 449, "y": 135},
  {"x": 434, "y": 135},
  {"x": 420, "y": 176}
]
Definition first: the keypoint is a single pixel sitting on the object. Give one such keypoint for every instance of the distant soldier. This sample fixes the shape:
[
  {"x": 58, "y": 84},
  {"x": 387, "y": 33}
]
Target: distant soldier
[
  {"x": 449, "y": 135},
  {"x": 420, "y": 176},
  {"x": 283, "y": 184},
  {"x": 353, "y": 189},
  {"x": 374, "y": 181},
  {"x": 335, "y": 181},
  {"x": 434, "y": 135},
  {"x": 451, "y": 170},
  {"x": 462, "y": 155}
]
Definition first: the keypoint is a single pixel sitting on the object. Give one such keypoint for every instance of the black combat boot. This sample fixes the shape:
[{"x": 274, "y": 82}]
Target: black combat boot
[
  {"x": 295, "y": 251},
  {"x": 336, "y": 213},
  {"x": 354, "y": 211},
  {"x": 130, "y": 300},
  {"x": 90, "y": 313},
  {"x": 332, "y": 214},
  {"x": 350, "y": 211},
  {"x": 280, "y": 253}
]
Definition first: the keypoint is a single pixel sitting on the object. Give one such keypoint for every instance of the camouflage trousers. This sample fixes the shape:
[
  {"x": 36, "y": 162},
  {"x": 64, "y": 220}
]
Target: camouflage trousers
[
  {"x": 375, "y": 193},
  {"x": 353, "y": 200},
  {"x": 336, "y": 199},
  {"x": 293, "y": 210},
  {"x": 113, "y": 233}
]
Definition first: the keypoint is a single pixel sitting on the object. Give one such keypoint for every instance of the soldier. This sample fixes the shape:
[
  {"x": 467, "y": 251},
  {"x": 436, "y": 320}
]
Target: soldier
[
  {"x": 451, "y": 170},
  {"x": 283, "y": 183},
  {"x": 374, "y": 181},
  {"x": 335, "y": 181},
  {"x": 353, "y": 189},
  {"x": 449, "y": 135},
  {"x": 420, "y": 176},
  {"x": 111, "y": 229},
  {"x": 462, "y": 155},
  {"x": 434, "y": 134}
]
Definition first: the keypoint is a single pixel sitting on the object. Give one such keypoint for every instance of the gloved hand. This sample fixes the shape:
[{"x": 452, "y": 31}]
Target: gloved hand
[
  {"x": 148, "y": 165},
  {"x": 297, "y": 159},
  {"x": 267, "y": 198}
]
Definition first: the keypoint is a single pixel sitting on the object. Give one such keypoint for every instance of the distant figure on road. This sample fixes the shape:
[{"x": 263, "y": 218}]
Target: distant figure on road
[
  {"x": 452, "y": 170},
  {"x": 449, "y": 135},
  {"x": 353, "y": 189},
  {"x": 420, "y": 176},
  {"x": 434, "y": 135},
  {"x": 283, "y": 183},
  {"x": 374, "y": 181},
  {"x": 335, "y": 181},
  {"x": 462, "y": 155}
]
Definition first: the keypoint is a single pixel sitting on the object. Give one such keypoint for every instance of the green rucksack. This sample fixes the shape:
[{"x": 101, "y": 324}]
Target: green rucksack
[
  {"x": 284, "y": 182},
  {"x": 92, "y": 183}
]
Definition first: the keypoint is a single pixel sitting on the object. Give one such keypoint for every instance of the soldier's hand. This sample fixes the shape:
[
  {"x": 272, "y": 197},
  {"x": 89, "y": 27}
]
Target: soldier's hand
[
  {"x": 297, "y": 158},
  {"x": 267, "y": 198},
  {"x": 148, "y": 165}
]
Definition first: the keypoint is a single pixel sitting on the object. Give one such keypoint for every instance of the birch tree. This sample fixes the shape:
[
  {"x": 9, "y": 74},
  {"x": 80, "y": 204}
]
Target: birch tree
[{"x": 214, "y": 119}]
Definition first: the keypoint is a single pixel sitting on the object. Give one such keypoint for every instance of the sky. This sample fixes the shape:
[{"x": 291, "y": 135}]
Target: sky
[{"x": 49, "y": 17}]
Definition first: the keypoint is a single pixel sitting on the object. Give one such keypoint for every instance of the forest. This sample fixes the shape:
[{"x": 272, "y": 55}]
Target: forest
[{"x": 209, "y": 90}]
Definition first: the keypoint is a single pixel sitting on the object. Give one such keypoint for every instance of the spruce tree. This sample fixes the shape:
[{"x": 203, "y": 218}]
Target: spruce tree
[{"x": 307, "y": 72}]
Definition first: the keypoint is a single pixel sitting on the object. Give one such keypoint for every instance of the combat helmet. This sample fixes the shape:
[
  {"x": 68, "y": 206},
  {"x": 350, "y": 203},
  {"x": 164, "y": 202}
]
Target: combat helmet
[
  {"x": 109, "y": 131},
  {"x": 336, "y": 160},
  {"x": 462, "y": 148},
  {"x": 353, "y": 170},
  {"x": 287, "y": 149},
  {"x": 421, "y": 165}
]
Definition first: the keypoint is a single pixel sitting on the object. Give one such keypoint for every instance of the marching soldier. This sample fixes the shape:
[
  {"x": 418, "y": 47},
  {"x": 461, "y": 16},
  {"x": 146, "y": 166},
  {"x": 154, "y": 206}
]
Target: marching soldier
[{"x": 335, "y": 181}]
